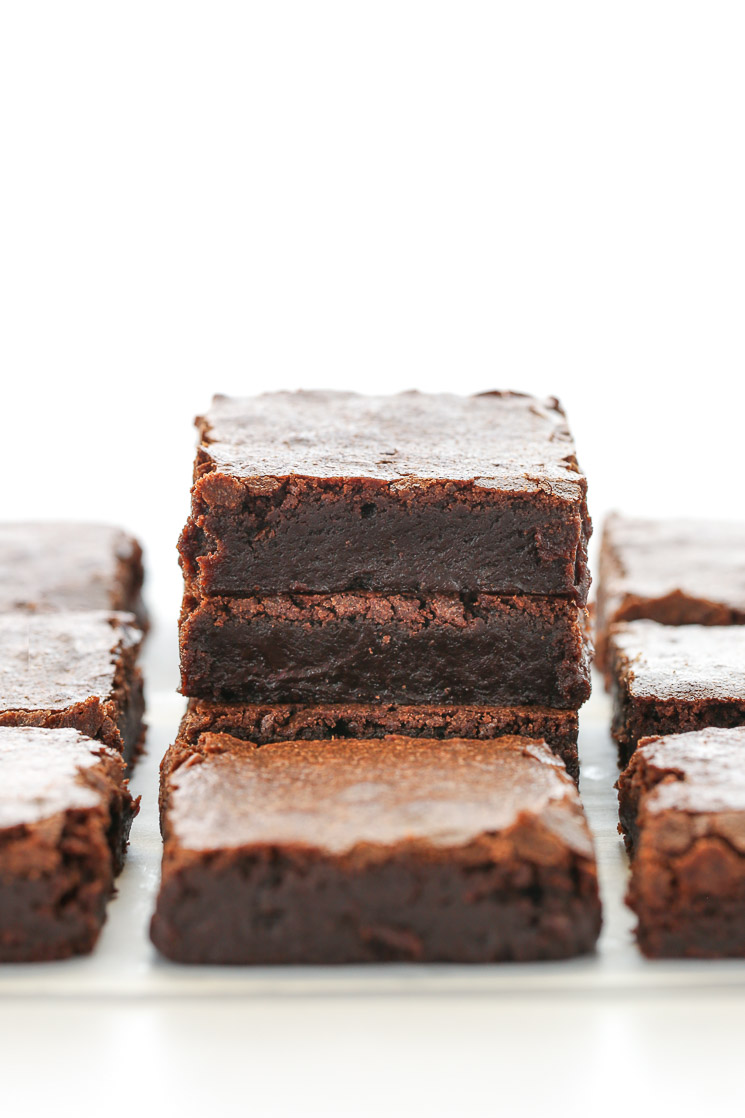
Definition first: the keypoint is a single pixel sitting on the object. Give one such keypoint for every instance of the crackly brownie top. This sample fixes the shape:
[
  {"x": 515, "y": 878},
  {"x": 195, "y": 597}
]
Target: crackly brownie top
[
  {"x": 43, "y": 772},
  {"x": 498, "y": 440},
  {"x": 52, "y": 660},
  {"x": 702, "y": 771},
  {"x": 61, "y": 565},
  {"x": 679, "y": 662},
  {"x": 337, "y": 795},
  {"x": 700, "y": 559}
]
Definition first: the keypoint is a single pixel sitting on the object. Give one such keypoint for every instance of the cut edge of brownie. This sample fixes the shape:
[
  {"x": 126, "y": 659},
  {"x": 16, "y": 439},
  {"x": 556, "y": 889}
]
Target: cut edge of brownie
[
  {"x": 131, "y": 579},
  {"x": 524, "y": 624},
  {"x": 252, "y": 518}
]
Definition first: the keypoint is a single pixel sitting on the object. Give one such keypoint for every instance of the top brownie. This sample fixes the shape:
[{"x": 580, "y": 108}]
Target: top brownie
[
  {"x": 65, "y": 566},
  {"x": 324, "y": 492},
  {"x": 675, "y": 572}
]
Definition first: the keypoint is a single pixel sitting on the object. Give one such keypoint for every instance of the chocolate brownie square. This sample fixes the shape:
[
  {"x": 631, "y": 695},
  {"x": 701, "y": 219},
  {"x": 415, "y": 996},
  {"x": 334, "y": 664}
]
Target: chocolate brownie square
[
  {"x": 65, "y": 815},
  {"x": 365, "y": 648},
  {"x": 69, "y": 566},
  {"x": 676, "y": 572},
  {"x": 263, "y": 723},
  {"x": 672, "y": 679},
  {"x": 682, "y": 808},
  {"x": 325, "y": 492},
  {"x": 74, "y": 669},
  {"x": 358, "y": 851}
]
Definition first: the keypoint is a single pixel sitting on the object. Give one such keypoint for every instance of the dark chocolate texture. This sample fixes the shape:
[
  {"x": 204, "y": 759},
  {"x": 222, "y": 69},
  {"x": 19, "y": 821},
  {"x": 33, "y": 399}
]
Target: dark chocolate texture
[
  {"x": 365, "y": 648},
  {"x": 676, "y": 572},
  {"x": 69, "y": 566},
  {"x": 357, "y": 851},
  {"x": 670, "y": 680},
  {"x": 65, "y": 815},
  {"x": 73, "y": 669},
  {"x": 682, "y": 808},
  {"x": 324, "y": 492}
]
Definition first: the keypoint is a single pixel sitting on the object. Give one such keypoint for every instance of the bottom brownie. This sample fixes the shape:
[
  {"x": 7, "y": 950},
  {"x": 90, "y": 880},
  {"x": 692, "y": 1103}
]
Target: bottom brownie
[
  {"x": 354, "y": 851},
  {"x": 263, "y": 723},
  {"x": 65, "y": 815},
  {"x": 682, "y": 810}
]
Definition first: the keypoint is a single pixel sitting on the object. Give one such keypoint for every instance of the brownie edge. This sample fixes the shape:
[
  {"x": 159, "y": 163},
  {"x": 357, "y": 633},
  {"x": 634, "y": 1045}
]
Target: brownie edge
[{"x": 365, "y": 648}]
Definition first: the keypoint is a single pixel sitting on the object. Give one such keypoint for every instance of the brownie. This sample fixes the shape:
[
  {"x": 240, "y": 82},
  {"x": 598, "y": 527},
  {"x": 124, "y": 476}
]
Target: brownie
[
  {"x": 363, "y": 648},
  {"x": 358, "y": 851},
  {"x": 677, "y": 572},
  {"x": 682, "y": 807},
  {"x": 75, "y": 669},
  {"x": 668, "y": 680},
  {"x": 65, "y": 815},
  {"x": 324, "y": 492},
  {"x": 264, "y": 722},
  {"x": 66, "y": 566}
]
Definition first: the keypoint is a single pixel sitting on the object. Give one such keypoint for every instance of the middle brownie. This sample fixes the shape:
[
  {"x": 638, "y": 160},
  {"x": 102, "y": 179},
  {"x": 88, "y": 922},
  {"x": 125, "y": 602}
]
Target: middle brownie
[{"x": 360, "y": 647}]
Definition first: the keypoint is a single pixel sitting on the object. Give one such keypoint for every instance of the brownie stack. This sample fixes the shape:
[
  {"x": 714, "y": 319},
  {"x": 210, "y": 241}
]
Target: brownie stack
[
  {"x": 409, "y": 568},
  {"x": 362, "y": 566}
]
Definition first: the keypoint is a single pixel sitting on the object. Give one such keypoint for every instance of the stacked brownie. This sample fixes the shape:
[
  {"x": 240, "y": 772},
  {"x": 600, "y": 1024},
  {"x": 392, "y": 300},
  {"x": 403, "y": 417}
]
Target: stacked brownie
[
  {"x": 384, "y": 645},
  {"x": 71, "y": 707},
  {"x": 383, "y": 625},
  {"x": 361, "y": 566}
]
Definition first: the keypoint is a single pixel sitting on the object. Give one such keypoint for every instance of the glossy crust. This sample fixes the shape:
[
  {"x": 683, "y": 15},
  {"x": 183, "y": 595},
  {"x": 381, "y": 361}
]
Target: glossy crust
[
  {"x": 51, "y": 566},
  {"x": 263, "y": 723},
  {"x": 324, "y": 492},
  {"x": 676, "y": 572},
  {"x": 365, "y": 648},
  {"x": 74, "y": 669},
  {"x": 65, "y": 815},
  {"x": 359, "y": 851},
  {"x": 682, "y": 810},
  {"x": 670, "y": 680}
]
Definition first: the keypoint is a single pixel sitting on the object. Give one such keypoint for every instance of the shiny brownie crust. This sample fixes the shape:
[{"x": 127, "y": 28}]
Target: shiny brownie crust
[{"x": 350, "y": 851}]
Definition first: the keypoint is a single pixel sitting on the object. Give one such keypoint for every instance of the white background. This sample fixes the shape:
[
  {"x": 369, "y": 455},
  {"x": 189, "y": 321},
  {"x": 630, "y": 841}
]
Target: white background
[{"x": 200, "y": 197}]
